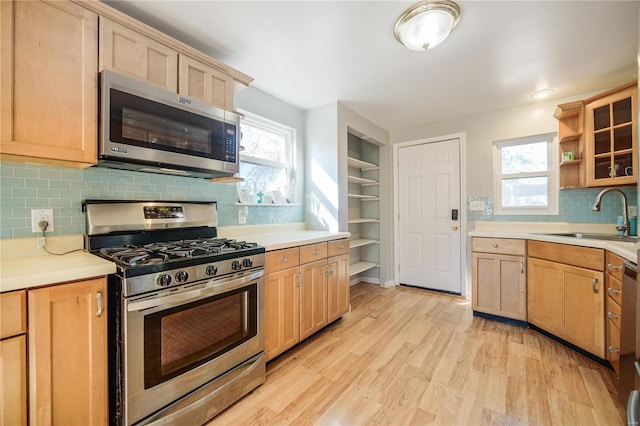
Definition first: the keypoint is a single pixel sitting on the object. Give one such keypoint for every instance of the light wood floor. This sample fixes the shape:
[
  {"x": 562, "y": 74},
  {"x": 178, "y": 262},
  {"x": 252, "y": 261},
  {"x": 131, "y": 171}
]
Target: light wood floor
[{"x": 406, "y": 356}]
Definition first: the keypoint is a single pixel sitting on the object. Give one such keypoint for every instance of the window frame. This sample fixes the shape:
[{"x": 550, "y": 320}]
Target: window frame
[
  {"x": 288, "y": 133},
  {"x": 553, "y": 190}
]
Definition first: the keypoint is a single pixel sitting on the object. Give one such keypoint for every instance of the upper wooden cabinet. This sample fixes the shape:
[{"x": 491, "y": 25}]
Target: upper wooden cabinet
[
  {"x": 129, "y": 52},
  {"x": 602, "y": 133},
  {"x": 48, "y": 77},
  {"x": 611, "y": 141},
  {"x": 200, "y": 81}
]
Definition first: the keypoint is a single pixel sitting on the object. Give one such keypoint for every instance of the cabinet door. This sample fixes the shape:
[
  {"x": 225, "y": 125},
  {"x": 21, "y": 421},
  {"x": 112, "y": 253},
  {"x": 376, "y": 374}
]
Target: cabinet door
[
  {"x": 612, "y": 139},
  {"x": 584, "y": 320},
  {"x": 49, "y": 83},
  {"x": 203, "y": 82},
  {"x": 313, "y": 297},
  {"x": 13, "y": 376},
  {"x": 283, "y": 317},
  {"x": 337, "y": 287},
  {"x": 499, "y": 285},
  {"x": 126, "y": 51},
  {"x": 68, "y": 354},
  {"x": 545, "y": 295}
]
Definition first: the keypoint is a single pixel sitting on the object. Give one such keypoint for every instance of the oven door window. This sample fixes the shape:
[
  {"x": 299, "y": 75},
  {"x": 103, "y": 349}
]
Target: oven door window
[
  {"x": 145, "y": 123},
  {"x": 179, "y": 339}
]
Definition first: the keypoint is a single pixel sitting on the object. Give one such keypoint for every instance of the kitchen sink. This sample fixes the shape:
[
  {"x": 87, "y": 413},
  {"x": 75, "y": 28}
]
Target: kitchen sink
[{"x": 608, "y": 237}]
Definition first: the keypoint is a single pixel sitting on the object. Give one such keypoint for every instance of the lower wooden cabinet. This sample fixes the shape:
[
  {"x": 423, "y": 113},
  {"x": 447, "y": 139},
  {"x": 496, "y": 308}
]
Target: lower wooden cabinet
[
  {"x": 283, "y": 307},
  {"x": 498, "y": 275},
  {"x": 306, "y": 290},
  {"x": 13, "y": 358},
  {"x": 68, "y": 379},
  {"x": 567, "y": 300}
]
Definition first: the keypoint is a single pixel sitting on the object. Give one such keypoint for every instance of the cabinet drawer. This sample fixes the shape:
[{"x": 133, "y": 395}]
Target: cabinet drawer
[
  {"x": 614, "y": 265},
  {"x": 582, "y": 257},
  {"x": 498, "y": 246},
  {"x": 13, "y": 313},
  {"x": 614, "y": 289},
  {"x": 338, "y": 247},
  {"x": 278, "y": 260},
  {"x": 613, "y": 312},
  {"x": 313, "y": 252},
  {"x": 613, "y": 348}
]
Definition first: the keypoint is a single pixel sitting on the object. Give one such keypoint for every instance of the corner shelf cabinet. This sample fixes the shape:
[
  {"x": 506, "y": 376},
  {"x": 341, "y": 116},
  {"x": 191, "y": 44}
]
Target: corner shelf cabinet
[{"x": 364, "y": 209}]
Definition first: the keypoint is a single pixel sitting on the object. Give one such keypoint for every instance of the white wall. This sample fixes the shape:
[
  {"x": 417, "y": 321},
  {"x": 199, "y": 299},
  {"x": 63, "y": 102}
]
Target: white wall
[{"x": 482, "y": 130}]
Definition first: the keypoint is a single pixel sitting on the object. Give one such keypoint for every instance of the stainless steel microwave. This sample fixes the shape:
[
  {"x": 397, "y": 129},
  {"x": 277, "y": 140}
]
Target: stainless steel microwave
[{"x": 146, "y": 128}]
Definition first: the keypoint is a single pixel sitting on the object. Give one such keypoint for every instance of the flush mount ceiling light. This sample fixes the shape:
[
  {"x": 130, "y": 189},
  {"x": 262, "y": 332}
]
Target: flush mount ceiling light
[
  {"x": 541, "y": 94},
  {"x": 426, "y": 24}
]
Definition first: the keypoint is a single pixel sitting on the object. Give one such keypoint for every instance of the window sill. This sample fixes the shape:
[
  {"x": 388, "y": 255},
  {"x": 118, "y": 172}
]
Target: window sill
[{"x": 268, "y": 205}]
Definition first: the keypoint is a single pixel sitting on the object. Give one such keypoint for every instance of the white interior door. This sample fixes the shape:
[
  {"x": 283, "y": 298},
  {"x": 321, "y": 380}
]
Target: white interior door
[{"x": 430, "y": 237}]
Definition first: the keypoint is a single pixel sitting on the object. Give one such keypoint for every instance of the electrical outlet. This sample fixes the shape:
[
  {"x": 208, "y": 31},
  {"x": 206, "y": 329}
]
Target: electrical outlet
[
  {"x": 38, "y": 215},
  {"x": 477, "y": 205},
  {"x": 242, "y": 217}
]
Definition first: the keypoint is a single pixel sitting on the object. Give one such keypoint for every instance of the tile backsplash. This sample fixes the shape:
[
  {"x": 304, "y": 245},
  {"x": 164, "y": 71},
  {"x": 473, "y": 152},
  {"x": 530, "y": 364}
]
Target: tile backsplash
[
  {"x": 27, "y": 186},
  {"x": 575, "y": 206}
]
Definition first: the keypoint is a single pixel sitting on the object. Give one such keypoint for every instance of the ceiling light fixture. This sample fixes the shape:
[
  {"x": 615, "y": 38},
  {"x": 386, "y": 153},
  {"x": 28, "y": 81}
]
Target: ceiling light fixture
[
  {"x": 541, "y": 94},
  {"x": 426, "y": 24}
]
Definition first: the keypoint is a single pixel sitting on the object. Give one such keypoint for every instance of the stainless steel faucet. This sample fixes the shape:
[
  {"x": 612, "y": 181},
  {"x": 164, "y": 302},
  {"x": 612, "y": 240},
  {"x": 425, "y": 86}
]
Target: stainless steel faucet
[{"x": 625, "y": 216}]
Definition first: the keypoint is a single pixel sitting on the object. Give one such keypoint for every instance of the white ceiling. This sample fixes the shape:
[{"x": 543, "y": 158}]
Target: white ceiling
[{"x": 310, "y": 53}]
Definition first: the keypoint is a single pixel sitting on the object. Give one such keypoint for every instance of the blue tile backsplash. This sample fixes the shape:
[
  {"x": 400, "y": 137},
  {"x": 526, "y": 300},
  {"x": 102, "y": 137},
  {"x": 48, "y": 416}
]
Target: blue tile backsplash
[
  {"x": 27, "y": 186},
  {"x": 575, "y": 206}
]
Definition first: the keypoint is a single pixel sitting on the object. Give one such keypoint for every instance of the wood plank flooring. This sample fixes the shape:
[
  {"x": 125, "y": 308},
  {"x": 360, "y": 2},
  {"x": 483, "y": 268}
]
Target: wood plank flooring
[{"x": 405, "y": 356}]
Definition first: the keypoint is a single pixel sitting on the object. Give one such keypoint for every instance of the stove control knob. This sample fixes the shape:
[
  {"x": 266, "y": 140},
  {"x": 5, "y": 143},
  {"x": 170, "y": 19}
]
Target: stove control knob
[
  {"x": 163, "y": 280},
  {"x": 247, "y": 263},
  {"x": 182, "y": 276},
  {"x": 211, "y": 270},
  {"x": 236, "y": 265}
]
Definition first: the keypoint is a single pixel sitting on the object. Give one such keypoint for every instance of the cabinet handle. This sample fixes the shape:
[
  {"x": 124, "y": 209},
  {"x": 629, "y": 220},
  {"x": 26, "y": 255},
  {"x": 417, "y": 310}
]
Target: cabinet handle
[
  {"x": 99, "y": 300},
  {"x": 612, "y": 349},
  {"x": 612, "y": 266},
  {"x": 594, "y": 285},
  {"x": 285, "y": 260},
  {"x": 612, "y": 315},
  {"x": 316, "y": 252},
  {"x": 613, "y": 291},
  {"x": 522, "y": 267},
  {"x": 331, "y": 271},
  {"x": 298, "y": 279},
  {"x": 326, "y": 270},
  {"x": 341, "y": 247}
]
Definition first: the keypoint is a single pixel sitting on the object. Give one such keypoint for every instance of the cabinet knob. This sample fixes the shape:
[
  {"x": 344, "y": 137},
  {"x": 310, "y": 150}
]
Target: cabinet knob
[
  {"x": 495, "y": 246},
  {"x": 285, "y": 260}
]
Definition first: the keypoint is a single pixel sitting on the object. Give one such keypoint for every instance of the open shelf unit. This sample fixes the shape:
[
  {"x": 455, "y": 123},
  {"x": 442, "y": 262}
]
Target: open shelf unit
[{"x": 364, "y": 209}]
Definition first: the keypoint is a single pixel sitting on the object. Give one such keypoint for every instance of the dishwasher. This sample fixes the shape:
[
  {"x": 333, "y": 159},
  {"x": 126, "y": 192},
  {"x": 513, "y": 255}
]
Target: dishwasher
[{"x": 629, "y": 384}]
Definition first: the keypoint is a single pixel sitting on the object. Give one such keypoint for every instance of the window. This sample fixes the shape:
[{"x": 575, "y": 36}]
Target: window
[
  {"x": 266, "y": 158},
  {"x": 525, "y": 176}
]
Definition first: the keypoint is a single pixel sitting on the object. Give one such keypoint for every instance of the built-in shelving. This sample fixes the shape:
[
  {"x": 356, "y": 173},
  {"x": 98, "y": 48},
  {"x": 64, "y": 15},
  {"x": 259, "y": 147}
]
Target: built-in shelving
[
  {"x": 360, "y": 267},
  {"x": 364, "y": 209},
  {"x": 362, "y": 242}
]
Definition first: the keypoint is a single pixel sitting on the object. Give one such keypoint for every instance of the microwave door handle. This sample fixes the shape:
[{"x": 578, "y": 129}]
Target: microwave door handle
[{"x": 211, "y": 288}]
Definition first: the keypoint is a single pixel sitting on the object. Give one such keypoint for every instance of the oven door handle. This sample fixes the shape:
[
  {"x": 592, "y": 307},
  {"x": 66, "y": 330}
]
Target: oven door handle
[{"x": 211, "y": 288}]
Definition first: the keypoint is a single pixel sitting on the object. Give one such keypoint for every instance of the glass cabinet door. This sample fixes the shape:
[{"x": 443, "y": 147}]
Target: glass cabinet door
[{"x": 611, "y": 139}]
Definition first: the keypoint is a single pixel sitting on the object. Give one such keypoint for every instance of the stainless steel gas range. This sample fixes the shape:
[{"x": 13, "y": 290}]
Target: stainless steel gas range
[{"x": 186, "y": 310}]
